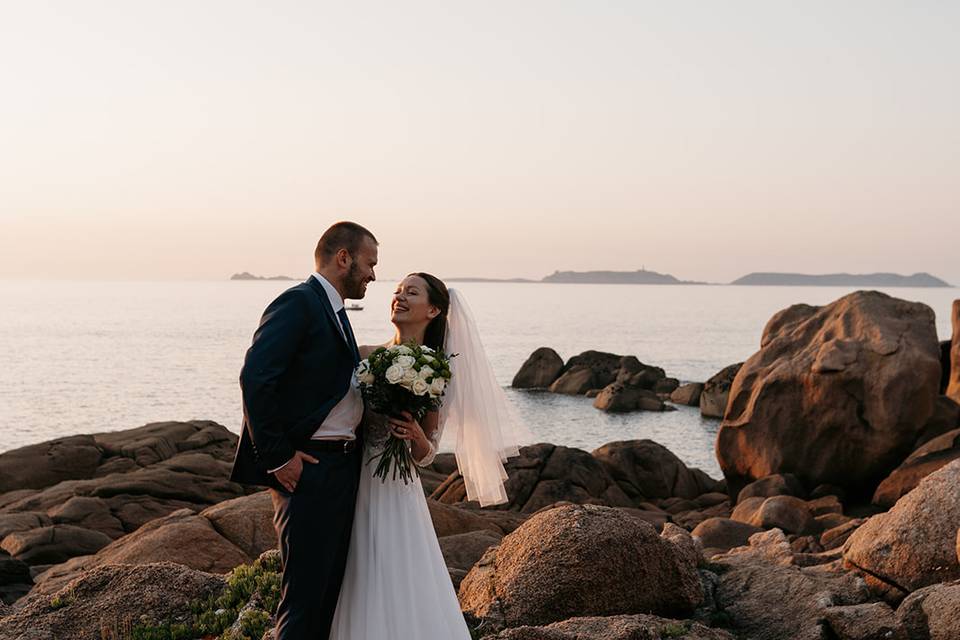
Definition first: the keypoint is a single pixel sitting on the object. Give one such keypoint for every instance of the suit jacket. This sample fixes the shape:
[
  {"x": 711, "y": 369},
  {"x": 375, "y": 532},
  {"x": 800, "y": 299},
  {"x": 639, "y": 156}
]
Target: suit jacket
[{"x": 296, "y": 370}]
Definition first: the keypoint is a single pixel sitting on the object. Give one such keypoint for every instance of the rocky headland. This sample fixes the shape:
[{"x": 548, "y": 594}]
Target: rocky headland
[
  {"x": 246, "y": 275},
  {"x": 840, "y": 280},
  {"x": 838, "y": 516}
]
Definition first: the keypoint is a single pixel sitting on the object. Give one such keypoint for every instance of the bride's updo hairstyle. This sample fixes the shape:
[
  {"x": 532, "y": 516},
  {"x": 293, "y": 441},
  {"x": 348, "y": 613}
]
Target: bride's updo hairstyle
[{"x": 439, "y": 297}]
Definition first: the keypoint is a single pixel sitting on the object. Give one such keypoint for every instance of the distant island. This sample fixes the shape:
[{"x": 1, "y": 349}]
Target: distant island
[
  {"x": 841, "y": 280},
  {"x": 249, "y": 276},
  {"x": 641, "y": 276}
]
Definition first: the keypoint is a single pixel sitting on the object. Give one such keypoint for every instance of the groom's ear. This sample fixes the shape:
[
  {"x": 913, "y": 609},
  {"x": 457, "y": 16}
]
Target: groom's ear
[{"x": 344, "y": 259}]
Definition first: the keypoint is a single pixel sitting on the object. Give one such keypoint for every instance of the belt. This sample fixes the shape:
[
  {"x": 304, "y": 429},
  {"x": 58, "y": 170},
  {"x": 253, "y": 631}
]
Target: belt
[{"x": 330, "y": 446}]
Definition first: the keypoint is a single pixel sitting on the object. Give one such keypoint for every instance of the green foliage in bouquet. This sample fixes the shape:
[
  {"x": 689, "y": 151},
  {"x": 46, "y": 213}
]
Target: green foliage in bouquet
[{"x": 405, "y": 377}]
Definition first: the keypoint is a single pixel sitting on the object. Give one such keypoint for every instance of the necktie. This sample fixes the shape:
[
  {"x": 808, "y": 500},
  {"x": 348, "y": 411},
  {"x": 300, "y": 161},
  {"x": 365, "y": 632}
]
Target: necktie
[{"x": 348, "y": 330}]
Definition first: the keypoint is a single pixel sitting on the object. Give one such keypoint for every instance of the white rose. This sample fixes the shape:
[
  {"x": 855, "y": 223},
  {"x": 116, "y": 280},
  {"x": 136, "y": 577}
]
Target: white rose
[
  {"x": 404, "y": 349},
  {"x": 394, "y": 374},
  {"x": 366, "y": 377},
  {"x": 409, "y": 375},
  {"x": 419, "y": 386},
  {"x": 437, "y": 386},
  {"x": 428, "y": 357},
  {"x": 405, "y": 361},
  {"x": 425, "y": 372},
  {"x": 426, "y": 349}
]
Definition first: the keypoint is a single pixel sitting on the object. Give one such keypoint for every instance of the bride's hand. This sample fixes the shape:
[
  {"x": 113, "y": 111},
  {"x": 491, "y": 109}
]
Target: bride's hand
[{"x": 406, "y": 428}]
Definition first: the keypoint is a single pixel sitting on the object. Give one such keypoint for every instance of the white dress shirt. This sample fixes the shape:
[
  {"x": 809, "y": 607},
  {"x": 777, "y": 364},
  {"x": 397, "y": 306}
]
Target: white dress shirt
[{"x": 342, "y": 421}]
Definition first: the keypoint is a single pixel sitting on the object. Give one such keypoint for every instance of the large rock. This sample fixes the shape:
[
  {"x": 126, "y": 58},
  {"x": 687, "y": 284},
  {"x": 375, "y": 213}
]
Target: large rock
[
  {"x": 580, "y": 560},
  {"x": 449, "y": 520},
  {"x": 53, "y": 544},
  {"x": 870, "y": 621},
  {"x": 183, "y": 537},
  {"x": 103, "y": 602},
  {"x": 575, "y": 381},
  {"x": 837, "y": 536},
  {"x": 618, "y": 397},
  {"x": 716, "y": 391},
  {"x": 787, "y": 513},
  {"x": 544, "y": 474},
  {"x": 41, "y": 465},
  {"x": 945, "y": 418},
  {"x": 22, "y": 521},
  {"x": 666, "y": 386},
  {"x": 914, "y": 544},
  {"x": 765, "y": 596},
  {"x": 645, "y": 469},
  {"x": 635, "y": 627},
  {"x": 945, "y": 346},
  {"x": 605, "y": 366},
  {"x": 636, "y": 387},
  {"x": 932, "y": 613},
  {"x": 247, "y": 522},
  {"x": 540, "y": 370},
  {"x": 933, "y": 455},
  {"x": 718, "y": 535},
  {"x": 159, "y": 485},
  {"x": 836, "y": 394},
  {"x": 81, "y": 457},
  {"x": 687, "y": 394},
  {"x": 953, "y": 384},
  {"x": 15, "y": 579},
  {"x": 463, "y": 550},
  {"x": 90, "y": 513},
  {"x": 110, "y": 484},
  {"x": 779, "y": 484}
]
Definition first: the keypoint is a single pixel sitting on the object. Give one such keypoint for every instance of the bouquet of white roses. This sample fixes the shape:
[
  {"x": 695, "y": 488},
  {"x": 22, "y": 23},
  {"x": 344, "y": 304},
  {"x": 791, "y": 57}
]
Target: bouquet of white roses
[{"x": 403, "y": 377}]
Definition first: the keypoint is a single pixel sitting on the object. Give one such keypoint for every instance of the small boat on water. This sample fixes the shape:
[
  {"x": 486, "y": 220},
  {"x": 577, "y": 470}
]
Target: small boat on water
[{"x": 355, "y": 307}]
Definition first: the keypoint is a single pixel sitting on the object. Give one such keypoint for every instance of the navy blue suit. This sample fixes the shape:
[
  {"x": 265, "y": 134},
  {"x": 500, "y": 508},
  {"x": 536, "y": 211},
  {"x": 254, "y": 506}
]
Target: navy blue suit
[{"x": 296, "y": 370}]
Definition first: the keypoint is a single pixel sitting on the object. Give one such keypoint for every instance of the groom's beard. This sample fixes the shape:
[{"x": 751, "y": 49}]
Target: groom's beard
[{"x": 354, "y": 283}]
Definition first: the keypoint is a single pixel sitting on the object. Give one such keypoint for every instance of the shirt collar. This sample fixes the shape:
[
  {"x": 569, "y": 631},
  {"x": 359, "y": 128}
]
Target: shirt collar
[{"x": 336, "y": 301}]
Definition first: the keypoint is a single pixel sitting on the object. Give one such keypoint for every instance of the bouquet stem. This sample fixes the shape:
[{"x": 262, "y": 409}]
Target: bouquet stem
[{"x": 395, "y": 454}]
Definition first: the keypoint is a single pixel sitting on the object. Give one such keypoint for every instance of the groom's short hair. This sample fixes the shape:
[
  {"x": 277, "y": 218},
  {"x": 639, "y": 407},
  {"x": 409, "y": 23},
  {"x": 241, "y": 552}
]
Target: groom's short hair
[{"x": 342, "y": 235}]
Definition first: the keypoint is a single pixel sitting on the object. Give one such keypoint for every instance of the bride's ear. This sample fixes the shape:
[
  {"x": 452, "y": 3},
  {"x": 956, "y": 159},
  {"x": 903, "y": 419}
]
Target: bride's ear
[{"x": 433, "y": 312}]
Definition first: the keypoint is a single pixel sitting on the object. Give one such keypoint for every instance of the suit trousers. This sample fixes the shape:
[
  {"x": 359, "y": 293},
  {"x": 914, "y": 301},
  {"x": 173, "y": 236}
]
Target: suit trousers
[{"x": 313, "y": 527}]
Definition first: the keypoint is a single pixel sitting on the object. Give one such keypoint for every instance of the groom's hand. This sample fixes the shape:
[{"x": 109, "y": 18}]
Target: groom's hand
[{"x": 289, "y": 474}]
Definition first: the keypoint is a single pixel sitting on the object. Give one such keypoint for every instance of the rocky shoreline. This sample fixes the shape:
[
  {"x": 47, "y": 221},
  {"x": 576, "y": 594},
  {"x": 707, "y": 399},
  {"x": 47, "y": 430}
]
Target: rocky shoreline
[{"x": 838, "y": 516}]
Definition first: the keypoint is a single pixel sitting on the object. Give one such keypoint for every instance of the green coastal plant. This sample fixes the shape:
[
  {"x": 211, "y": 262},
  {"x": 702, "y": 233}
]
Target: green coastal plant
[
  {"x": 61, "y": 601},
  {"x": 674, "y": 630},
  {"x": 240, "y": 612}
]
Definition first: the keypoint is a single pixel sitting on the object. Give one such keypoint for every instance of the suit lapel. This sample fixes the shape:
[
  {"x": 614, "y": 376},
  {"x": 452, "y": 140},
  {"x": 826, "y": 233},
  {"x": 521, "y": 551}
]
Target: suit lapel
[{"x": 328, "y": 309}]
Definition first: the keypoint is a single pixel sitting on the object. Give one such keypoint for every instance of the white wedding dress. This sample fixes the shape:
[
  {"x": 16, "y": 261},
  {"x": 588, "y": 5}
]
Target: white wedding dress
[{"x": 396, "y": 585}]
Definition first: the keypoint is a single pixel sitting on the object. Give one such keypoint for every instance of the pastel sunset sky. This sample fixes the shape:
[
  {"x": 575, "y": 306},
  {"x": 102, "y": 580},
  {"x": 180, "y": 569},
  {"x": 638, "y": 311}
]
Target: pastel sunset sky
[{"x": 191, "y": 140}]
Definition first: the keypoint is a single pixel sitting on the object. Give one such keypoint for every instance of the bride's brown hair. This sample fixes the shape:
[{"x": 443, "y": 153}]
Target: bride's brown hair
[{"x": 439, "y": 297}]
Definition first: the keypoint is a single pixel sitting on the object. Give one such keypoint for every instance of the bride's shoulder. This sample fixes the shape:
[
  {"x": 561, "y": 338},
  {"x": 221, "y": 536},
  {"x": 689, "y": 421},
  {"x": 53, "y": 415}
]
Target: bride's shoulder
[{"x": 367, "y": 349}]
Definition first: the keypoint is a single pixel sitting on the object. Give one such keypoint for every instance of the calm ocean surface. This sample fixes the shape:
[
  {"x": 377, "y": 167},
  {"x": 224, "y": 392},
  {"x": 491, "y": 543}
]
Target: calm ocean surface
[{"x": 98, "y": 356}]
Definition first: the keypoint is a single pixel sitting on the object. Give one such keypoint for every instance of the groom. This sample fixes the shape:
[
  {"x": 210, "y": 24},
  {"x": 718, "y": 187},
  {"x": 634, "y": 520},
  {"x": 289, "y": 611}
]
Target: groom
[{"x": 301, "y": 409}]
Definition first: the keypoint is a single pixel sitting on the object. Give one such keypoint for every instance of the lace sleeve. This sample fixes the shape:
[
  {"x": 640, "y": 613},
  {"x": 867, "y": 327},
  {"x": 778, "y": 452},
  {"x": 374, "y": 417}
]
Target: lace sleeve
[{"x": 433, "y": 443}]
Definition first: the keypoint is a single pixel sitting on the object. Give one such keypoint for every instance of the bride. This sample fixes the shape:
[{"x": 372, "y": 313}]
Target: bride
[{"x": 396, "y": 585}]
